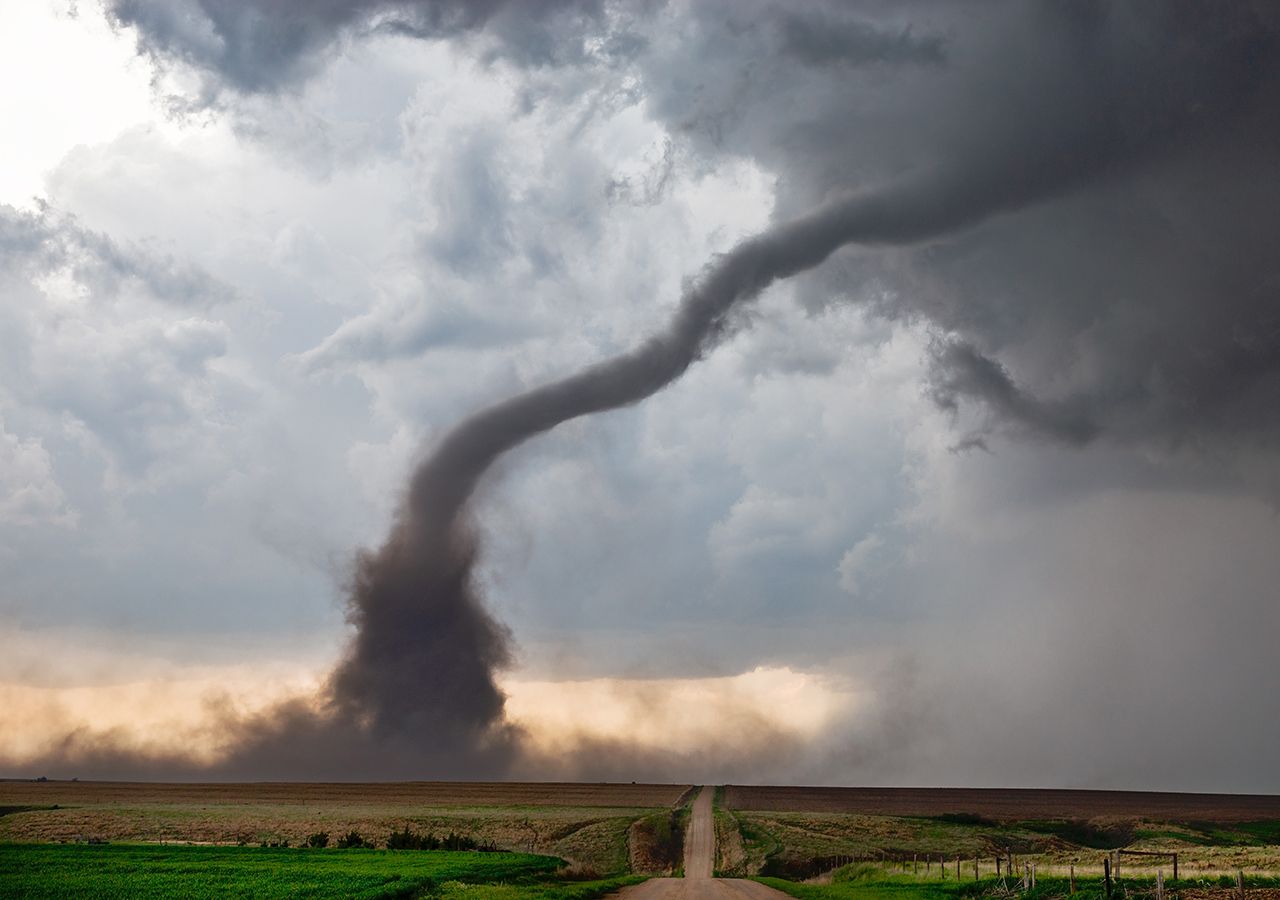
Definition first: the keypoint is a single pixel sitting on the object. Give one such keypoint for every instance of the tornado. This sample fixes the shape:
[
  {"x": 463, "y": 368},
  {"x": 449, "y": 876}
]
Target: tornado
[{"x": 422, "y": 663}]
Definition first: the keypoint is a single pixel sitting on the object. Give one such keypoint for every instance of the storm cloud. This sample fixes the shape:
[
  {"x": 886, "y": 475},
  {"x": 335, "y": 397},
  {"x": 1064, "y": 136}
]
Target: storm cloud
[{"x": 1070, "y": 207}]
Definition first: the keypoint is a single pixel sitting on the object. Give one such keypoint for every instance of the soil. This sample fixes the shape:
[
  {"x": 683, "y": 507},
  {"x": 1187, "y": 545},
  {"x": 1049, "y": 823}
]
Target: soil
[
  {"x": 418, "y": 793},
  {"x": 1007, "y": 805}
]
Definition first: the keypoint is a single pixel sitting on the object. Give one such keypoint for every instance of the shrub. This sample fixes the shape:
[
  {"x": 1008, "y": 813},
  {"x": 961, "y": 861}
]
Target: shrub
[
  {"x": 319, "y": 840},
  {"x": 408, "y": 839},
  {"x": 352, "y": 839}
]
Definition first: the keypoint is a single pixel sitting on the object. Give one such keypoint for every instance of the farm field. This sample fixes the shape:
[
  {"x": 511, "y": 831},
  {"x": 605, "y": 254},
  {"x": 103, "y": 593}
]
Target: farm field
[
  {"x": 863, "y": 843},
  {"x": 107, "y": 871},
  {"x": 588, "y": 825},
  {"x": 801, "y": 832}
]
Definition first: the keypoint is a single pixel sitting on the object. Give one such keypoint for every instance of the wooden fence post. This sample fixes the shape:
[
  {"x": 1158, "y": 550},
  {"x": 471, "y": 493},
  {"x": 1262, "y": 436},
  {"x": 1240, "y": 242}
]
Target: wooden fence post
[
  {"x": 1073, "y": 878},
  {"x": 975, "y": 869},
  {"x": 1175, "y": 867},
  {"x": 957, "y": 868},
  {"x": 1106, "y": 874},
  {"x": 1159, "y": 884},
  {"x": 1240, "y": 883}
]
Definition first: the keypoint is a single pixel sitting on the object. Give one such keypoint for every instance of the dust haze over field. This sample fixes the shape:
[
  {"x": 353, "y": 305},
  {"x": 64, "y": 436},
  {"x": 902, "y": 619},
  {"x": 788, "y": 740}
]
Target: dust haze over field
[{"x": 1075, "y": 203}]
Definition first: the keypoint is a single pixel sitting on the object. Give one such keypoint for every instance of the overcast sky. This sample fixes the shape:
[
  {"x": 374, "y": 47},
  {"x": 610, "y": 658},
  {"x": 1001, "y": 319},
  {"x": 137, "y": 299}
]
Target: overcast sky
[{"x": 991, "y": 502}]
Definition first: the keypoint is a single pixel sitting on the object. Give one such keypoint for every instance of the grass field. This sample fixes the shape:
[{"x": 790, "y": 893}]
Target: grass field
[
  {"x": 110, "y": 871},
  {"x": 585, "y": 824}
]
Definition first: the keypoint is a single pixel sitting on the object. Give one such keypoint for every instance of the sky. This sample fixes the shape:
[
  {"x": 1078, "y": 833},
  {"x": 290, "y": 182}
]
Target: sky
[{"x": 975, "y": 484}]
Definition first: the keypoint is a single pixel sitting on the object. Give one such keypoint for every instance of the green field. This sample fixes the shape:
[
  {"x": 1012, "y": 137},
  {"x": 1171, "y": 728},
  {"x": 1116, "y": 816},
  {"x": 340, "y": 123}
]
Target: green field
[{"x": 132, "y": 871}]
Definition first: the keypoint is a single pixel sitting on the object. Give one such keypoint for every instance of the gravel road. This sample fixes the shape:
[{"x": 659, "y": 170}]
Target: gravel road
[{"x": 699, "y": 862}]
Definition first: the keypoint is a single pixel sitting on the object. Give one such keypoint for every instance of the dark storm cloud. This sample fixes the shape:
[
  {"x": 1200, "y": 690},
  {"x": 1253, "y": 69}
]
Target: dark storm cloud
[
  {"x": 264, "y": 45},
  {"x": 813, "y": 37},
  {"x": 960, "y": 370},
  {"x": 1138, "y": 304},
  {"x": 1156, "y": 112}
]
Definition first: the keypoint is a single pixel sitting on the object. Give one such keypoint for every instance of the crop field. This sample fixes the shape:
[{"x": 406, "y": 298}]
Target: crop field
[
  {"x": 584, "y": 824},
  {"x": 802, "y": 832},
  {"x": 109, "y": 871}
]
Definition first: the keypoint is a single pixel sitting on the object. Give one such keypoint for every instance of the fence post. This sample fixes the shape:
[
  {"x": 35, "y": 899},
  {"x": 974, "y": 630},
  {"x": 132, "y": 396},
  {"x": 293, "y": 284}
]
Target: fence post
[
  {"x": 997, "y": 867},
  {"x": 1073, "y": 878},
  {"x": 957, "y": 868},
  {"x": 1033, "y": 876},
  {"x": 1159, "y": 884},
  {"x": 1240, "y": 883},
  {"x": 1175, "y": 867},
  {"x": 1106, "y": 874},
  {"x": 975, "y": 869}
]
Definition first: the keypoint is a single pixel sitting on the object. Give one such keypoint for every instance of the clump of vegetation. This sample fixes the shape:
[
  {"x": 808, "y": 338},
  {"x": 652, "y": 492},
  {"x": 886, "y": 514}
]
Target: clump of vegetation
[
  {"x": 352, "y": 839},
  {"x": 276, "y": 843},
  {"x": 319, "y": 840},
  {"x": 412, "y": 840},
  {"x": 1085, "y": 834}
]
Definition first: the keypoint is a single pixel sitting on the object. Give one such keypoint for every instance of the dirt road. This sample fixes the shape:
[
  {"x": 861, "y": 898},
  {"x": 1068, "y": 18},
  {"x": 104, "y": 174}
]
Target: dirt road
[{"x": 699, "y": 863}]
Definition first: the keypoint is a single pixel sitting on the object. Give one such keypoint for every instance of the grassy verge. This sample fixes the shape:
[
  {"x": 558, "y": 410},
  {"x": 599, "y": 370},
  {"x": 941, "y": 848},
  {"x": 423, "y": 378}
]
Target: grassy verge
[{"x": 144, "y": 872}]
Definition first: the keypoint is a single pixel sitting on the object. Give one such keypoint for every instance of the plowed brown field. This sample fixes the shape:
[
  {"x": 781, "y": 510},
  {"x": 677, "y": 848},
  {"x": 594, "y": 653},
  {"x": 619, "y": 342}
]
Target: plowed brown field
[
  {"x": 1006, "y": 804},
  {"x": 419, "y": 793}
]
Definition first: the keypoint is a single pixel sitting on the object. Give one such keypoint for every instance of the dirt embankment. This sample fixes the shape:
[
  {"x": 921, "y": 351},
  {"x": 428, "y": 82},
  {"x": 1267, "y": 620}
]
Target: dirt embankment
[{"x": 655, "y": 843}]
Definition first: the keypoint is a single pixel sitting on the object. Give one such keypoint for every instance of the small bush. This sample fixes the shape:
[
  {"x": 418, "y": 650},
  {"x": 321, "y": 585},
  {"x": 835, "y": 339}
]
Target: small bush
[
  {"x": 352, "y": 839},
  {"x": 319, "y": 840},
  {"x": 408, "y": 839}
]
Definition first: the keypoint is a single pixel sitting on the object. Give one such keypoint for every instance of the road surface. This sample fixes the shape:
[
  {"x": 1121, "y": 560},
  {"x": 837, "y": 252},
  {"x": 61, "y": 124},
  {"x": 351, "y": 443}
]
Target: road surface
[{"x": 699, "y": 863}]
